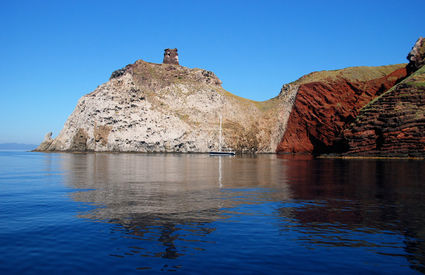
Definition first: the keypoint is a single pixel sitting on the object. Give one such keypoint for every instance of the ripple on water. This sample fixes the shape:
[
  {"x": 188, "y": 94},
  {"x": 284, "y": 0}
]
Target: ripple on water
[{"x": 114, "y": 213}]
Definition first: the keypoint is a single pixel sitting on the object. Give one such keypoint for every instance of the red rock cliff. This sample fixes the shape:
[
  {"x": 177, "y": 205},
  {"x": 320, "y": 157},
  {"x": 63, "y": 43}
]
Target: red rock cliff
[
  {"x": 393, "y": 124},
  {"x": 327, "y": 102}
]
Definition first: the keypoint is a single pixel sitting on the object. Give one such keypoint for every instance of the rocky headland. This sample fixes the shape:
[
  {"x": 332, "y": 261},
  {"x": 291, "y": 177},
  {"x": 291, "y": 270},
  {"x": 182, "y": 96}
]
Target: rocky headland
[
  {"x": 393, "y": 124},
  {"x": 328, "y": 101},
  {"x": 148, "y": 107}
]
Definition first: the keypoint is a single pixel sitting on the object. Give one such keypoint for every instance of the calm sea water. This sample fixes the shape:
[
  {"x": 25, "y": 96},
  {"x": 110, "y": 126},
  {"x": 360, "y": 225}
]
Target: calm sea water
[{"x": 110, "y": 213}]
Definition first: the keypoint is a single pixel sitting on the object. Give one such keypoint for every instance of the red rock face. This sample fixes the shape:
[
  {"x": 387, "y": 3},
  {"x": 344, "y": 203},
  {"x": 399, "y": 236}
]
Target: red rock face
[
  {"x": 323, "y": 109},
  {"x": 393, "y": 125}
]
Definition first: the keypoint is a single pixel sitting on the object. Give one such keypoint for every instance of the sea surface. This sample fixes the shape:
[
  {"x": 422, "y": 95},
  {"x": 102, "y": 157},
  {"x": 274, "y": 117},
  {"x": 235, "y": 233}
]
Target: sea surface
[{"x": 105, "y": 213}]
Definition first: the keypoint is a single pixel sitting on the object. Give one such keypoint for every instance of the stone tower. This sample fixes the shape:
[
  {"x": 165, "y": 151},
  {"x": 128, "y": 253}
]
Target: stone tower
[{"x": 171, "y": 56}]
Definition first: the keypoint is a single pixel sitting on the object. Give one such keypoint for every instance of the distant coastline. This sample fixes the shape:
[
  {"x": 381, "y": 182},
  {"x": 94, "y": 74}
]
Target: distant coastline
[{"x": 17, "y": 146}]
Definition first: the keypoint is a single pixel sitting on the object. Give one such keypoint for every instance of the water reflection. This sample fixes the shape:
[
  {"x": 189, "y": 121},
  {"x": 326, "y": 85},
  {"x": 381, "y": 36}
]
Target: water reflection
[
  {"x": 172, "y": 204},
  {"x": 357, "y": 199},
  {"x": 170, "y": 198}
]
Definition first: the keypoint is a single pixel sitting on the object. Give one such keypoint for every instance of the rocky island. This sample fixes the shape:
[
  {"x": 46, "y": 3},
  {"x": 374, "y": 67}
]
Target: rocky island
[{"x": 148, "y": 107}]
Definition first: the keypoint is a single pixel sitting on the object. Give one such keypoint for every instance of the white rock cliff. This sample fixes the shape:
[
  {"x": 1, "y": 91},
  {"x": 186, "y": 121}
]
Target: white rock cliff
[{"x": 147, "y": 107}]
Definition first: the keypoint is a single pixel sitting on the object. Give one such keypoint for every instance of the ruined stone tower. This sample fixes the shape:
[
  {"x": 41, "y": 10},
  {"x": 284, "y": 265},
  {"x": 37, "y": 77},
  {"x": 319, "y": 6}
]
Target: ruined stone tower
[{"x": 171, "y": 57}]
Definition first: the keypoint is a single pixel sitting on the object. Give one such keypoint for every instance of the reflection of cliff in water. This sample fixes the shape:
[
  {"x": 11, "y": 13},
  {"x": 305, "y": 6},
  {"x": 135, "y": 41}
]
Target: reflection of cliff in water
[
  {"x": 172, "y": 203},
  {"x": 363, "y": 196},
  {"x": 164, "y": 193}
]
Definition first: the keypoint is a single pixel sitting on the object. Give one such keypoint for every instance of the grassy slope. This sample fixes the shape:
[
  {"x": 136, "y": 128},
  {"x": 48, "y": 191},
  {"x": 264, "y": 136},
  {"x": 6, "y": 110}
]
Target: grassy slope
[
  {"x": 417, "y": 79},
  {"x": 362, "y": 73}
]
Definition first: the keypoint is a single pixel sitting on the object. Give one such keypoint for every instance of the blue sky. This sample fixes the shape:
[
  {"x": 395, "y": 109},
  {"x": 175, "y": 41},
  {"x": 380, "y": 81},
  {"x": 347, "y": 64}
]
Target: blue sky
[{"x": 54, "y": 52}]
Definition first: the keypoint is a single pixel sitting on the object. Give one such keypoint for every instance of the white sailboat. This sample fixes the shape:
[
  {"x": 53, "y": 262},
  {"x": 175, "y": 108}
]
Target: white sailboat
[{"x": 220, "y": 152}]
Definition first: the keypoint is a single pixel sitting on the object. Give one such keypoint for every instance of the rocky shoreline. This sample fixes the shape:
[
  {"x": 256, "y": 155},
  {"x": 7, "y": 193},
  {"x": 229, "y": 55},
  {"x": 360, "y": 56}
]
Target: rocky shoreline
[{"x": 167, "y": 108}]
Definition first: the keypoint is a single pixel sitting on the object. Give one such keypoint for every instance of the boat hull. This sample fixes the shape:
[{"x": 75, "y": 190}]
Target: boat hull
[{"x": 222, "y": 153}]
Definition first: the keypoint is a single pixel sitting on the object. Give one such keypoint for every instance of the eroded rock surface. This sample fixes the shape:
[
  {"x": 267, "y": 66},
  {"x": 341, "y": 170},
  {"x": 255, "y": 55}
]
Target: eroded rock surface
[
  {"x": 147, "y": 107},
  {"x": 416, "y": 56},
  {"x": 328, "y": 101},
  {"x": 45, "y": 144},
  {"x": 393, "y": 124}
]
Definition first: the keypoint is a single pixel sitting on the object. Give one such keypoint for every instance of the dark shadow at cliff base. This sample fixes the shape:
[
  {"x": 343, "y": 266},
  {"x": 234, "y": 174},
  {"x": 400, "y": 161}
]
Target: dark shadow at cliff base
[{"x": 339, "y": 146}]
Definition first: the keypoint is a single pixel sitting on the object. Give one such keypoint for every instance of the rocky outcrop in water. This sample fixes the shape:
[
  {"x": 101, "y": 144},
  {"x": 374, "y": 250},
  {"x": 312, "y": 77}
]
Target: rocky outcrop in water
[
  {"x": 328, "y": 101},
  {"x": 147, "y": 107},
  {"x": 359, "y": 111},
  {"x": 393, "y": 124},
  {"x": 45, "y": 144}
]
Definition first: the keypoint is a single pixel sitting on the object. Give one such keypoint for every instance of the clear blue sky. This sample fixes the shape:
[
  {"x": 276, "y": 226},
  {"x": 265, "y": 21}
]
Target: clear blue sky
[{"x": 54, "y": 52}]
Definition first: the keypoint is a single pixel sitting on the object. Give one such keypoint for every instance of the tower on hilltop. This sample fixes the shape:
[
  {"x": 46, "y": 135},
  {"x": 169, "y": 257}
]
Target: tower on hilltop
[{"x": 171, "y": 57}]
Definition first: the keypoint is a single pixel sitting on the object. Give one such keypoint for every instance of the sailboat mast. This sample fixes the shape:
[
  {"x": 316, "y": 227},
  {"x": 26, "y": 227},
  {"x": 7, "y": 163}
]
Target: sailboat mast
[{"x": 219, "y": 144}]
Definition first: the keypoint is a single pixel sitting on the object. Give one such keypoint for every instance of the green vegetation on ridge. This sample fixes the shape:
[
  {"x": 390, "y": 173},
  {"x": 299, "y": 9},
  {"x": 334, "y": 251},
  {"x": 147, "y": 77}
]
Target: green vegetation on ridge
[
  {"x": 362, "y": 73},
  {"x": 416, "y": 79}
]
